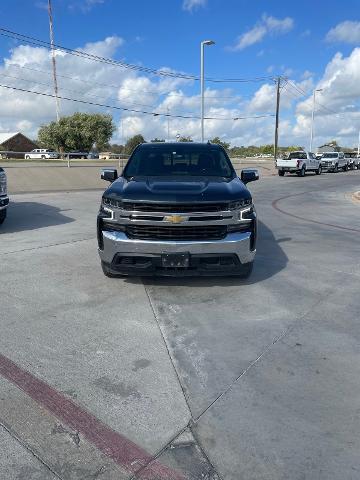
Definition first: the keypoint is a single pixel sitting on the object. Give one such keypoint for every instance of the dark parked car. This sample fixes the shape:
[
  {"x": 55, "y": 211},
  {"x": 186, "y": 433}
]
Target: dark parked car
[{"x": 177, "y": 209}]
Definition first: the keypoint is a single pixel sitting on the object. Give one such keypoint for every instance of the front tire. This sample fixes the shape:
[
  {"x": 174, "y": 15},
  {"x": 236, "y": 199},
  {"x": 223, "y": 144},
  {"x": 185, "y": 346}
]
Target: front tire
[
  {"x": 319, "y": 170},
  {"x": 336, "y": 169},
  {"x": 2, "y": 215},
  {"x": 27, "y": 157},
  {"x": 281, "y": 173},
  {"x": 246, "y": 270},
  {"x": 346, "y": 168}
]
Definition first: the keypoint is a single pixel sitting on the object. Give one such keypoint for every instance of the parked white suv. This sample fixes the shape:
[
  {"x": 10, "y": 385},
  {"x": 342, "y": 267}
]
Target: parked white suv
[
  {"x": 41, "y": 153},
  {"x": 299, "y": 162},
  {"x": 333, "y": 161}
]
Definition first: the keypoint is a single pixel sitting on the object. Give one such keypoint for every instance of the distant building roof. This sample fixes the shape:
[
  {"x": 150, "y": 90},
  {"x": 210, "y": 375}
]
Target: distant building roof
[{"x": 4, "y": 137}]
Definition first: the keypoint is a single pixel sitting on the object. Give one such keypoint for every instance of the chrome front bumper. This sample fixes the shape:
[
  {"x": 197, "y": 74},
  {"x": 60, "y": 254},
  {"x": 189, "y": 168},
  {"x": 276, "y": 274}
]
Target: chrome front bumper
[{"x": 118, "y": 243}]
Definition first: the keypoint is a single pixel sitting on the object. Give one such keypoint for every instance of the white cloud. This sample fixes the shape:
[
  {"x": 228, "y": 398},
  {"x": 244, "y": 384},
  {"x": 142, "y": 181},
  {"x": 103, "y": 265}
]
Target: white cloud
[
  {"x": 104, "y": 83},
  {"x": 268, "y": 25},
  {"x": 104, "y": 48},
  {"x": 85, "y": 6},
  {"x": 345, "y": 32},
  {"x": 191, "y": 5},
  {"x": 307, "y": 74},
  {"x": 338, "y": 107}
]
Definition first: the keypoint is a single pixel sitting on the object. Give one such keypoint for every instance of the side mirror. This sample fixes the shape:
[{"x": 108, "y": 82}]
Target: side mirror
[
  {"x": 109, "y": 174},
  {"x": 249, "y": 175}
]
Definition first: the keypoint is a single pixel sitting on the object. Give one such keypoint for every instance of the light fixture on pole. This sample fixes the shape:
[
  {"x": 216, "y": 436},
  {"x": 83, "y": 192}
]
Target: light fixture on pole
[
  {"x": 312, "y": 118},
  {"x": 202, "y": 45}
]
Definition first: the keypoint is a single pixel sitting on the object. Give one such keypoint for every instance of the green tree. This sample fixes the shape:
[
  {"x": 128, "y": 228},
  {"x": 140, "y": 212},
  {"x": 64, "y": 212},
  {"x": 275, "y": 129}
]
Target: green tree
[
  {"x": 157, "y": 140},
  {"x": 115, "y": 148},
  {"x": 133, "y": 142},
  {"x": 218, "y": 141},
  {"x": 185, "y": 139},
  {"x": 77, "y": 132}
]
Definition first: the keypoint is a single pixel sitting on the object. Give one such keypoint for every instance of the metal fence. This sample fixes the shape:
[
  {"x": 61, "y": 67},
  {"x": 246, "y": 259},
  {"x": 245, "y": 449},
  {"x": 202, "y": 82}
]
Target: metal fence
[{"x": 68, "y": 157}]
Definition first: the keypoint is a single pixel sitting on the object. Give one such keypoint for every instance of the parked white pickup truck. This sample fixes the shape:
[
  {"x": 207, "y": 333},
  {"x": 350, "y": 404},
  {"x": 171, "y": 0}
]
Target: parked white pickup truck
[
  {"x": 299, "y": 163},
  {"x": 43, "y": 153},
  {"x": 332, "y": 161}
]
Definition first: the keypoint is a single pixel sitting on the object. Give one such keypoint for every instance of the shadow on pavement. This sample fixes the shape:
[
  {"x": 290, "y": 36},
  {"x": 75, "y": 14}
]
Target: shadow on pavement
[
  {"x": 270, "y": 260},
  {"x": 22, "y": 216}
]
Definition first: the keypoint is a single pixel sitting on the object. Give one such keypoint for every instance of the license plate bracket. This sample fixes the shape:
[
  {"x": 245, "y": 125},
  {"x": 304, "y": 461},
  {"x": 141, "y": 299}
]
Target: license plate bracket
[{"x": 175, "y": 260}]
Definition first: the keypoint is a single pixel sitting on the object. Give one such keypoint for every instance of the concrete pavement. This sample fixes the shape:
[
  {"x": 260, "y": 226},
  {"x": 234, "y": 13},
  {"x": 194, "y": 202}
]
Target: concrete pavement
[{"x": 216, "y": 378}]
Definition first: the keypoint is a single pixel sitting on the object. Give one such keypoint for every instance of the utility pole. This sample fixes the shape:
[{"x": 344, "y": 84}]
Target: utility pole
[
  {"x": 277, "y": 117},
  {"x": 312, "y": 119},
  {"x": 53, "y": 60},
  {"x": 359, "y": 145},
  {"x": 168, "y": 124}
]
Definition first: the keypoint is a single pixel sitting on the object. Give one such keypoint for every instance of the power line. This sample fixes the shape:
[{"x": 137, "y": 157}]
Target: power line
[
  {"x": 80, "y": 53},
  {"x": 131, "y": 109},
  {"x": 303, "y": 93},
  {"x": 95, "y": 96},
  {"x": 169, "y": 93}
]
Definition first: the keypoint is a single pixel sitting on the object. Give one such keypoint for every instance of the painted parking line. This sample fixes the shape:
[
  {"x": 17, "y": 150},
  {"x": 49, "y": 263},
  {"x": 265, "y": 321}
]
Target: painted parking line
[{"x": 120, "y": 449}]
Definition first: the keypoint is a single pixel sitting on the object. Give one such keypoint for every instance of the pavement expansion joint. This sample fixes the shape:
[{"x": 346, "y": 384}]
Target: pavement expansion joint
[
  {"x": 29, "y": 449},
  {"x": 48, "y": 246},
  {"x": 266, "y": 350}
]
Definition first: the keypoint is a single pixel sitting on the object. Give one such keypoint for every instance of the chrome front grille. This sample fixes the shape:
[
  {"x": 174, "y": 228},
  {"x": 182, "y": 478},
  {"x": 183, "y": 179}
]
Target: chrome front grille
[{"x": 159, "y": 232}]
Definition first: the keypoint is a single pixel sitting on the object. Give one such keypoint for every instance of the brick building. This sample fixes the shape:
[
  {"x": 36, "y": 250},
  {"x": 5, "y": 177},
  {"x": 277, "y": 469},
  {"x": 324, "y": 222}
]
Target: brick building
[{"x": 15, "y": 142}]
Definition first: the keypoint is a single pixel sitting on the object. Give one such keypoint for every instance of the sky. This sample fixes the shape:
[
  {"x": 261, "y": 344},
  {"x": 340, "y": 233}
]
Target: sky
[{"x": 310, "y": 44}]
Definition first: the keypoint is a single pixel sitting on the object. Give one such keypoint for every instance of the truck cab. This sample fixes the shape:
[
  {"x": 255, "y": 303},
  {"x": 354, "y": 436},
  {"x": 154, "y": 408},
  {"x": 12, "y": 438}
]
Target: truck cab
[
  {"x": 177, "y": 209},
  {"x": 4, "y": 199}
]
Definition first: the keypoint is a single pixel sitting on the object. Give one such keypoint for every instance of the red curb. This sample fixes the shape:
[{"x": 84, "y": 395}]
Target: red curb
[{"x": 120, "y": 449}]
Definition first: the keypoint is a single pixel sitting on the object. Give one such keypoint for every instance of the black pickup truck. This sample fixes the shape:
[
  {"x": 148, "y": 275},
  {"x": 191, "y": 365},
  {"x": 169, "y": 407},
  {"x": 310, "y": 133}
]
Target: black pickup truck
[
  {"x": 4, "y": 199},
  {"x": 177, "y": 209}
]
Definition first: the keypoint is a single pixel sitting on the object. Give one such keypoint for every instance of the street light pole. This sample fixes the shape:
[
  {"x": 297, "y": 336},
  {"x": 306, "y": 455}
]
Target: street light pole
[
  {"x": 202, "y": 46},
  {"x": 312, "y": 119},
  {"x": 359, "y": 145}
]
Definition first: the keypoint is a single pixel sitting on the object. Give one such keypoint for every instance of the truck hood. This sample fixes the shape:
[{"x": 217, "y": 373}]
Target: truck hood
[{"x": 178, "y": 190}]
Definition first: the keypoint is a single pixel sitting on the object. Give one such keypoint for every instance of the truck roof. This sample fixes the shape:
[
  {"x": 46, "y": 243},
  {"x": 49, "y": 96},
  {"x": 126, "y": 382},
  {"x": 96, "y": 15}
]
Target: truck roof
[{"x": 176, "y": 144}]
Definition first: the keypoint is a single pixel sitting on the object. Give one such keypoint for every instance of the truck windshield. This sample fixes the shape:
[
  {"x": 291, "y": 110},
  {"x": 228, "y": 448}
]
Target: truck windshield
[
  {"x": 188, "y": 160},
  {"x": 297, "y": 155},
  {"x": 330, "y": 155}
]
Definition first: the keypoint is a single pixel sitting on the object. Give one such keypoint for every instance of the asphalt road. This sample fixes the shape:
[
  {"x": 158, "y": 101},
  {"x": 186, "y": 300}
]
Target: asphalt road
[{"x": 183, "y": 378}]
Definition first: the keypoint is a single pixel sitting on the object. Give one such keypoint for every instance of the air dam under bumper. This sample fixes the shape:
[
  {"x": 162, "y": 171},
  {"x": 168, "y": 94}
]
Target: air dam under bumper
[{"x": 218, "y": 257}]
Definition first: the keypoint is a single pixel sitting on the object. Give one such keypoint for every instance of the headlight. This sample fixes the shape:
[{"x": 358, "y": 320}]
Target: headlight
[
  {"x": 111, "y": 202},
  {"x": 3, "y": 186},
  {"x": 244, "y": 209},
  {"x": 240, "y": 204}
]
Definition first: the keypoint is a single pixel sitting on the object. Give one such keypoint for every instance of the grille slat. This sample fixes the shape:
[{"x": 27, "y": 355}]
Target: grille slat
[
  {"x": 176, "y": 208},
  {"x": 150, "y": 232}
]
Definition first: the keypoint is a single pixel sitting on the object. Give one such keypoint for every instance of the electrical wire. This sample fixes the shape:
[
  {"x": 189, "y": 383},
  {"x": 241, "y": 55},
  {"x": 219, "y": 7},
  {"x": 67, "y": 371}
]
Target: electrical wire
[
  {"x": 152, "y": 92},
  {"x": 80, "y": 53},
  {"x": 131, "y": 109}
]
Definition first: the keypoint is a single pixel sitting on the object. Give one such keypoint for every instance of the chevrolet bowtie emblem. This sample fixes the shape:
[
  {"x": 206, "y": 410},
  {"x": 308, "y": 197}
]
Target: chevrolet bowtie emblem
[{"x": 175, "y": 219}]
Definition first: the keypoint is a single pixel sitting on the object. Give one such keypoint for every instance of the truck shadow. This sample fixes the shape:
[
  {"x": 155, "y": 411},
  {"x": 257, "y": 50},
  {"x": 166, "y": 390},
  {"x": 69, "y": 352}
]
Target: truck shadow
[
  {"x": 270, "y": 260},
  {"x": 23, "y": 216}
]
